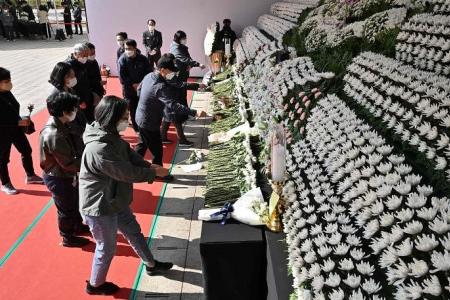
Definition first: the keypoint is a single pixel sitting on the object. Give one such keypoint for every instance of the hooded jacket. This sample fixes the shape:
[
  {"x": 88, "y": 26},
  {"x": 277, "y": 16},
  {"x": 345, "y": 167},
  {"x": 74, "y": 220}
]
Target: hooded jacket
[{"x": 109, "y": 167}]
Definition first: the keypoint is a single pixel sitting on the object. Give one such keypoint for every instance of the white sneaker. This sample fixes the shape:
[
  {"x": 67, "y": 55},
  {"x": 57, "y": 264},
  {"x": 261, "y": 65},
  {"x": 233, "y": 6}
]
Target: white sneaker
[{"x": 9, "y": 189}]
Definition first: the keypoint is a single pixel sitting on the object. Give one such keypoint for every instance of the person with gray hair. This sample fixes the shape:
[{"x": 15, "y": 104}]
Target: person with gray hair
[{"x": 83, "y": 89}]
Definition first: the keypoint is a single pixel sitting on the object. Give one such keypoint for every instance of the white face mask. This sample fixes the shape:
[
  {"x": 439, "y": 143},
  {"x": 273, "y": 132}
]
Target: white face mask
[
  {"x": 122, "y": 126},
  {"x": 91, "y": 57},
  {"x": 70, "y": 117},
  {"x": 120, "y": 43},
  {"x": 82, "y": 60},
  {"x": 170, "y": 76},
  {"x": 130, "y": 53},
  {"x": 183, "y": 42},
  {"x": 72, "y": 82}
]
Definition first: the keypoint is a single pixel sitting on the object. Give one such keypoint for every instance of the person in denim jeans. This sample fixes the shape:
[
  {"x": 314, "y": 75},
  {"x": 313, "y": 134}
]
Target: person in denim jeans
[{"x": 109, "y": 168}]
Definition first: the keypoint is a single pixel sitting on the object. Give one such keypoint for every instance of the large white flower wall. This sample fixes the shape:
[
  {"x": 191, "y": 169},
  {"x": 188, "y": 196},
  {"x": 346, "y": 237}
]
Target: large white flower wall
[
  {"x": 425, "y": 43},
  {"x": 291, "y": 11},
  {"x": 275, "y": 26},
  {"x": 414, "y": 103},
  {"x": 359, "y": 222}
]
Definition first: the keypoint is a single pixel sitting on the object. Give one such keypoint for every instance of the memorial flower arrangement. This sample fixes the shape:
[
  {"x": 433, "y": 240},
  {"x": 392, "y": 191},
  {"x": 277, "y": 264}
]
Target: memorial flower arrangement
[{"x": 368, "y": 148}]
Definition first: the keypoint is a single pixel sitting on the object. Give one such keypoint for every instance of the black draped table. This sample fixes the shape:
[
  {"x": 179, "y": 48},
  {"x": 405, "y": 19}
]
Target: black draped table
[{"x": 28, "y": 28}]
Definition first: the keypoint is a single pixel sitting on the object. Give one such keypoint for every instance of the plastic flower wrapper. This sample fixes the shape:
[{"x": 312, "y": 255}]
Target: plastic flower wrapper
[{"x": 251, "y": 209}]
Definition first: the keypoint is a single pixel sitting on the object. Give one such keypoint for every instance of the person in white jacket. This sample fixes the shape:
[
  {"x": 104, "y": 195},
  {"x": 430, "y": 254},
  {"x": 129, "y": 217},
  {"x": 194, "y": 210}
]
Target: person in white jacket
[{"x": 43, "y": 20}]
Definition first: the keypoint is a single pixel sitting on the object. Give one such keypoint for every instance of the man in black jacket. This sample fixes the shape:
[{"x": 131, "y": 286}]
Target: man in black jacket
[
  {"x": 11, "y": 126},
  {"x": 152, "y": 39},
  {"x": 78, "y": 18},
  {"x": 95, "y": 78},
  {"x": 83, "y": 88},
  {"x": 226, "y": 33},
  {"x": 156, "y": 95},
  {"x": 121, "y": 37}
]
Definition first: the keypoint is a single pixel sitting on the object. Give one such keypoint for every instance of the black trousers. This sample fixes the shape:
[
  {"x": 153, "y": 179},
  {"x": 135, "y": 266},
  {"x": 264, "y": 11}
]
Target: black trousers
[
  {"x": 178, "y": 126},
  {"x": 153, "y": 141},
  {"x": 16, "y": 137},
  {"x": 78, "y": 25},
  {"x": 68, "y": 27},
  {"x": 153, "y": 59},
  {"x": 65, "y": 196},
  {"x": 46, "y": 30}
]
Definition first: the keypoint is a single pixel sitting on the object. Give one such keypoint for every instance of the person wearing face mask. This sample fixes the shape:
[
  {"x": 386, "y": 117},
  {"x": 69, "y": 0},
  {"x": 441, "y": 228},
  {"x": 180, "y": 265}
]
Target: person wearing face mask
[
  {"x": 152, "y": 40},
  {"x": 83, "y": 89},
  {"x": 63, "y": 79},
  {"x": 60, "y": 164},
  {"x": 95, "y": 78},
  {"x": 156, "y": 95},
  {"x": 109, "y": 168},
  {"x": 11, "y": 126},
  {"x": 133, "y": 67},
  {"x": 184, "y": 63},
  {"x": 121, "y": 37}
]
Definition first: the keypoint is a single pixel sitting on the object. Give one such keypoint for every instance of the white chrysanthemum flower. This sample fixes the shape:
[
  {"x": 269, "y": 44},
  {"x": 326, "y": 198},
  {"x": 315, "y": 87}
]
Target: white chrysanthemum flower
[
  {"x": 419, "y": 268},
  {"x": 316, "y": 229},
  {"x": 341, "y": 249},
  {"x": 335, "y": 239},
  {"x": 427, "y": 213},
  {"x": 403, "y": 169},
  {"x": 439, "y": 226},
  {"x": 387, "y": 219},
  {"x": 328, "y": 265},
  {"x": 412, "y": 290},
  {"x": 312, "y": 219},
  {"x": 330, "y": 217},
  {"x": 353, "y": 240},
  {"x": 413, "y": 228},
  {"x": 398, "y": 273},
  {"x": 413, "y": 179},
  {"x": 331, "y": 228},
  {"x": 393, "y": 202},
  {"x": 368, "y": 172},
  {"x": 426, "y": 243},
  {"x": 377, "y": 208},
  {"x": 392, "y": 179},
  {"x": 379, "y": 244},
  {"x": 310, "y": 257},
  {"x": 384, "y": 191},
  {"x": 405, "y": 248},
  {"x": 425, "y": 190},
  {"x": 337, "y": 294},
  {"x": 320, "y": 240},
  {"x": 346, "y": 264},
  {"x": 405, "y": 215},
  {"x": 348, "y": 229},
  {"x": 441, "y": 163},
  {"x": 333, "y": 280},
  {"x": 416, "y": 200},
  {"x": 314, "y": 270},
  {"x": 324, "y": 251},
  {"x": 371, "y": 229},
  {"x": 396, "y": 159},
  {"x": 306, "y": 245},
  {"x": 396, "y": 234},
  {"x": 370, "y": 286},
  {"x": 357, "y": 295},
  {"x": 357, "y": 254},
  {"x": 352, "y": 281},
  {"x": 440, "y": 203},
  {"x": 318, "y": 283},
  {"x": 343, "y": 219},
  {"x": 440, "y": 261},
  {"x": 365, "y": 268},
  {"x": 403, "y": 188},
  {"x": 388, "y": 258},
  {"x": 432, "y": 286}
]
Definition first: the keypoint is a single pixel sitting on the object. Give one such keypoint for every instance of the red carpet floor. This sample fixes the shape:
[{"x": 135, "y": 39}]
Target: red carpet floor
[{"x": 32, "y": 263}]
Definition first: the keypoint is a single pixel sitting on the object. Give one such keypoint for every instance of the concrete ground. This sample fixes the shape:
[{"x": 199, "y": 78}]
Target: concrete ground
[
  {"x": 177, "y": 230},
  {"x": 31, "y": 62}
]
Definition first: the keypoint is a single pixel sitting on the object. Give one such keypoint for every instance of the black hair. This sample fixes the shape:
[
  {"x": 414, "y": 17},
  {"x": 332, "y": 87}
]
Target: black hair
[
  {"x": 179, "y": 35},
  {"x": 123, "y": 35},
  {"x": 152, "y": 21},
  {"x": 62, "y": 102},
  {"x": 109, "y": 112},
  {"x": 42, "y": 7},
  {"x": 90, "y": 45},
  {"x": 131, "y": 43},
  {"x": 58, "y": 74},
  {"x": 169, "y": 55},
  {"x": 226, "y": 21},
  {"x": 4, "y": 74}
]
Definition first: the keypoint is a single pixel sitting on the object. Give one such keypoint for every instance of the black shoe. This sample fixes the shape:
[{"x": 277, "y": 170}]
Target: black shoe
[
  {"x": 108, "y": 288},
  {"x": 82, "y": 229},
  {"x": 168, "y": 178},
  {"x": 186, "y": 143},
  {"x": 74, "y": 241},
  {"x": 158, "y": 268}
]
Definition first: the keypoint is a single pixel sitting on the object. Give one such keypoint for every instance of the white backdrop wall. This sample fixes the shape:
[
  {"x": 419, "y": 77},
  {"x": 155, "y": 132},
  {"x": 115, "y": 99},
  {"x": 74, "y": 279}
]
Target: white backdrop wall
[{"x": 107, "y": 17}]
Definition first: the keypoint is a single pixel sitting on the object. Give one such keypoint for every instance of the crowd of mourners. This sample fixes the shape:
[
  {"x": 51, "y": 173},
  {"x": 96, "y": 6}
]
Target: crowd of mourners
[{"x": 86, "y": 164}]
